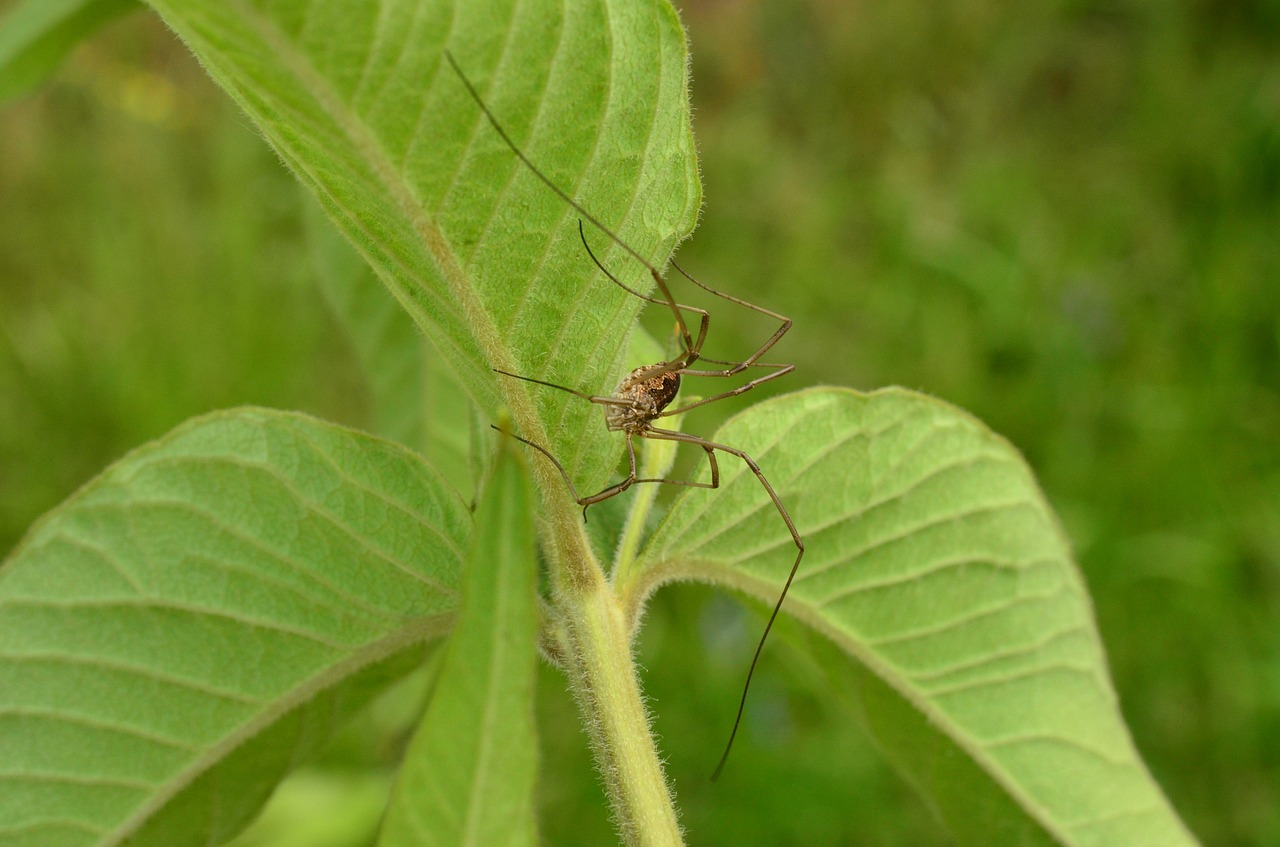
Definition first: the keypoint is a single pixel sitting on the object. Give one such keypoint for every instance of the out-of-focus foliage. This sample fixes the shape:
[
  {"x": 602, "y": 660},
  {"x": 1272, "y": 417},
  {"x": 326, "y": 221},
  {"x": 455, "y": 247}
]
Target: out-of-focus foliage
[
  {"x": 1064, "y": 217},
  {"x": 1061, "y": 216},
  {"x": 36, "y": 35}
]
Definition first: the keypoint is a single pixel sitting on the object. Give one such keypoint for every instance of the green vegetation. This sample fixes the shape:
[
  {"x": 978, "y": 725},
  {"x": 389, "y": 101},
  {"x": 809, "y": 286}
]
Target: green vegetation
[{"x": 1061, "y": 218}]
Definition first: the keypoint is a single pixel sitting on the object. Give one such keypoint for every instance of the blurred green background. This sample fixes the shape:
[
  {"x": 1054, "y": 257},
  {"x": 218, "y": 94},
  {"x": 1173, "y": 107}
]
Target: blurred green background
[{"x": 1064, "y": 217}]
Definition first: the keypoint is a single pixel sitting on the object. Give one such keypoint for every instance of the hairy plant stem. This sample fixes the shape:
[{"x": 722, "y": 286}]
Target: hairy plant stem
[
  {"x": 607, "y": 690},
  {"x": 656, "y": 459}
]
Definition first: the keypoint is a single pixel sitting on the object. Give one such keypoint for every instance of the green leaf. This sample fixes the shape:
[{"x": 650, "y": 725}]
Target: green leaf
[
  {"x": 936, "y": 567},
  {"x": 417, "y": 400},
  {"x": 36, "y": 35},
  {"x": 321, "y": 807},
  {"x": 358, "y": 100},
  {"x": 182, "y": 631},
  {"x": 469, "y": 772}
]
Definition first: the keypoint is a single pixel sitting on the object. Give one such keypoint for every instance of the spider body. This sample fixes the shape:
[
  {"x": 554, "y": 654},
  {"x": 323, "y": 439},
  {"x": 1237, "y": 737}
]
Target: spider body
[{"x": 642, "y": 396}]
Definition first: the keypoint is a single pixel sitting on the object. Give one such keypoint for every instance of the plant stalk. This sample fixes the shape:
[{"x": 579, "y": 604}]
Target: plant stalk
[
  {"x": 656, "y": 459},
  {"x": 608, "y": 693}
]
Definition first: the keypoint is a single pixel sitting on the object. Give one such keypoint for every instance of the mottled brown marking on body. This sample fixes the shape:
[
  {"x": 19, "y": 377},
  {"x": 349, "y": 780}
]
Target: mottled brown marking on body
[{"x": 647, "y": 391}]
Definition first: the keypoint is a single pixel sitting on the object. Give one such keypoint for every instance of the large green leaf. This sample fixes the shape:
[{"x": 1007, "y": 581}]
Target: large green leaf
[
  {"x": 178, "y": 634},
  {"x": 416, "y": 398},
  {"x": 468, "y": 776},
  {"x": 358, "y": 100},
  {"x": 936, "y": 567}
]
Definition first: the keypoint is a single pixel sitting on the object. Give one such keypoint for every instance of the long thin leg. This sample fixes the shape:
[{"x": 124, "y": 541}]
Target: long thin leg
[
  {"x": 602, "y": 399},
  {"x": 583, "y": 236},
  {"x": 763, "y": 348},
  {"x": 733, "y": 392},
  {"x": 560, "y": 192},
  {"x": 618, "y": 487},
  {"x": 669, "y": 435},
  {"x": 703, "y": 316},
  {"x": 750, "y": 364},
  {"x": 599, "y": 497},
  {"x": 502, "y": 133},
  {"x": 715, "y": 473},
  {"x": 694, "y": 349},
  {"x": 552, "y": 459},
  {"x": 631, "y": 479}
]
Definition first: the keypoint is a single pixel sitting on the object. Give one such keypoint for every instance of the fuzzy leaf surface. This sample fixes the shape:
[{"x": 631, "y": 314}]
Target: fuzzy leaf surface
[
  {"x": 177, "y": 635},
  {"x": 358, "y": 100},
  {"x": 416, "y": 398},
  {"x": 468, "y": 775},
  {"x": 935, "y": 566}
]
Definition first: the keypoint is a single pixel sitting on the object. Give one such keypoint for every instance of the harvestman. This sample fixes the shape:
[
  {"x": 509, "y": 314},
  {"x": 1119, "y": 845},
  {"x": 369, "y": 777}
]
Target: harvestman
[{"x": 644, "y": 394}]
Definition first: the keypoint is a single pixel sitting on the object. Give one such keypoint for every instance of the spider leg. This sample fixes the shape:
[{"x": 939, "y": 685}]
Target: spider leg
[
  {"x": 750, "y": 365},
  {"x": 691, "y": 347},
  {"x": 544, "y": 451},
  {"x": 578, "y": 207},
  {"x": 598, "y": 497},
  {"x": 618, "y": 487},
  {"x": 746, "y": 386},
  {"x": 711, "y": 460},
  {"x": 705, "y": 444},
  {"x": 602, "y": 399},
  {"x": 763, "y": 348}
]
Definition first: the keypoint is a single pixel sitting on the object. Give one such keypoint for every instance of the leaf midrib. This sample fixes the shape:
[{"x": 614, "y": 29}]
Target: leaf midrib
[
  {"x": 412, "y": 632},
  {"x": 366, "y": 144}
]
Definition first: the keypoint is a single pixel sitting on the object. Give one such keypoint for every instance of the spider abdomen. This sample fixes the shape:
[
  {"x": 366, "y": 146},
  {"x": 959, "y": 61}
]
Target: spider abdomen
[{"x": 647, "y": 391}]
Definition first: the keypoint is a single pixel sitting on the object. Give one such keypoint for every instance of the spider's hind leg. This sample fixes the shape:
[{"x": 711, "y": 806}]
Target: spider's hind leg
[
  {"x": 688, "y": 483},
  {"x": 692, "y": 347}
]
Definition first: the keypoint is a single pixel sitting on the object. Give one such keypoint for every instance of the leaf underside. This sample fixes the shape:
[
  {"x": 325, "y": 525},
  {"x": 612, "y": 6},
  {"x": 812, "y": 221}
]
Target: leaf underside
[
  {"x": 175, "y": 637},
  {"x": 935, "y": 566},
  {"x": 359, "y": 102},
  {"x": 468, "y": 775},
  {"x": 416, "y": 398}
]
